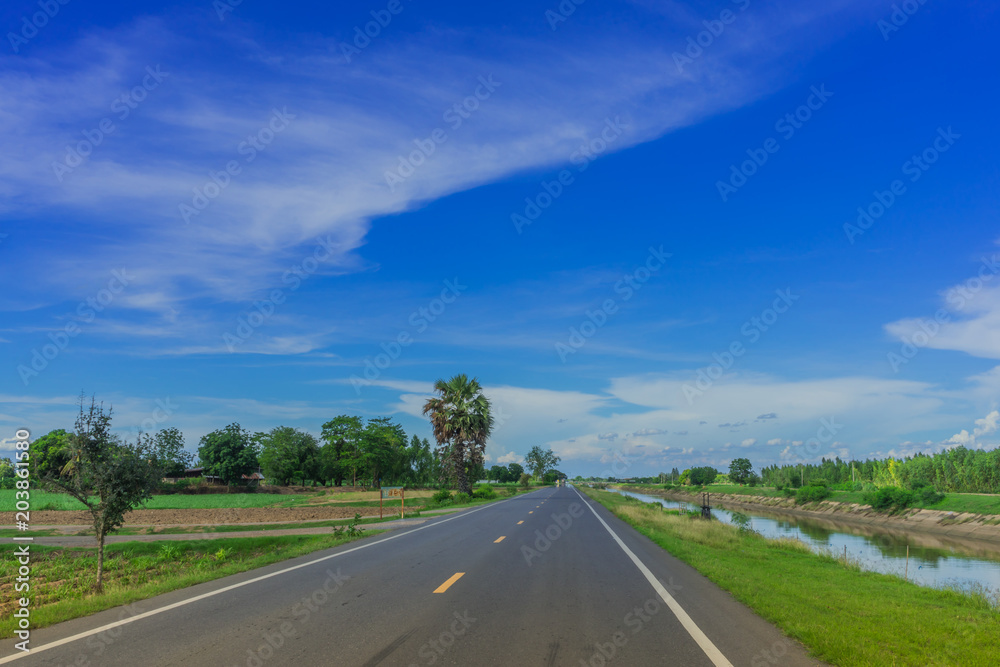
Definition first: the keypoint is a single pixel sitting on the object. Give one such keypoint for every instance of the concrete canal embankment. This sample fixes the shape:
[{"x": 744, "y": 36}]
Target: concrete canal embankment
[{"x": 962, "y": 525}]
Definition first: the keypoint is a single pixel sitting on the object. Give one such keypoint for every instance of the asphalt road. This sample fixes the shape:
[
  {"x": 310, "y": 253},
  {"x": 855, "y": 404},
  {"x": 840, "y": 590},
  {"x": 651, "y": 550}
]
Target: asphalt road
[{"x": 546, "y": 578}]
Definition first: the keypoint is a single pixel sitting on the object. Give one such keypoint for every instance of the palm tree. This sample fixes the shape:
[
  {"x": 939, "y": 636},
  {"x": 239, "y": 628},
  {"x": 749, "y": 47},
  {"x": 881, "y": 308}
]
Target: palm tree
[{"x": 462, "y": 423}]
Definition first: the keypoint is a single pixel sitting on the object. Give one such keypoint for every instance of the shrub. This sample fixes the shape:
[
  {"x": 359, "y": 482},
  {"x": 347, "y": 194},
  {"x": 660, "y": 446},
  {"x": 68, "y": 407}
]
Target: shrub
[
  {"x": 525, "y": 479},
  {"x": 788, "y": 493},
  {"x": 889, "y": 497},
  {"x": 441, "y": 497},
  {"x": 930, "y": 496},
  {"x": 811, "y": 494},
  {"x": 484, "y": 492},
  {"x": 461, "y": 498}
]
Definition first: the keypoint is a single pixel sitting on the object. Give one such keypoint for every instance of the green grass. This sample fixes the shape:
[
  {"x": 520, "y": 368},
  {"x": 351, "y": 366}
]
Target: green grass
[
  {"x": 62, "y": 579},
  {"x": 46, "y": 500},
  {"x": 844, "y": 615}
]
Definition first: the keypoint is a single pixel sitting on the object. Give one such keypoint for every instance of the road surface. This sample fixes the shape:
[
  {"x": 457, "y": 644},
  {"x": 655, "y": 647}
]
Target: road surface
[{"x": 545, "y": 578}]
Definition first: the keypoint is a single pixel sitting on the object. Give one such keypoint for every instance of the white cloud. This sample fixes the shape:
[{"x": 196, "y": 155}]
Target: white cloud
[
  {"x": 510, "y": 457},
  {"x": 985, "y": 426},
  {"x": 749, "y": 442}
]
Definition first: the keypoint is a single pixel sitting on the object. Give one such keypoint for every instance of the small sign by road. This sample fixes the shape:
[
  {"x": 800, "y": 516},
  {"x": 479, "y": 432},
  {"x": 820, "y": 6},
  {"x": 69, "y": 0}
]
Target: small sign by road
[{"x": 392, "y": 492}]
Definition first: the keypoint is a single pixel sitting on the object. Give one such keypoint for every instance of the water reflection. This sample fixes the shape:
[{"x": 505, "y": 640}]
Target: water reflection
[{"x": 934, "y": 560}]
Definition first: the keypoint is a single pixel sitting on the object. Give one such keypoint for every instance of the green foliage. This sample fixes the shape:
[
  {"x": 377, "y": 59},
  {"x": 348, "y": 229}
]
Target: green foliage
[
  {"x": 442, "y": 497},
  {"x": 958, "y": 470},
  {"x": 7, "y": 475},
  {"x": 168, "y": 552},
  {"x": 525, "y": 479},
  {"x": 498, "y": 474},
  {"x": 340, "y": 456},
  {"x": 229, "y": 453},
  {"x": 928, "y": 495},
  {"x": 740, "y": 471},
  {"x": 462, "y": 421},
  {"x": 50, "y": 453},
  {"x": 702, "y": 476},
  {"x": 485, "y": 492},
  {"x": 811, "y": 494},
  {"x": 350, "y": 530},
  {"x": 462, "y": 498},
  {"x": 107, "y": 475},
  {"x": 168, "y": 443},
  {"x": 287, "y": 453},
  {"x": 514, "y": 472},
  {"x": 540, "y": 461},
  {"x": 889, "y": 497}
]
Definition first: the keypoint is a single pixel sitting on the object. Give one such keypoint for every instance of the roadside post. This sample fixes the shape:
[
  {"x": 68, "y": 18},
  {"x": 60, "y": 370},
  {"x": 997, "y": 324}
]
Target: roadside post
[{"x": 393, "y": 492}]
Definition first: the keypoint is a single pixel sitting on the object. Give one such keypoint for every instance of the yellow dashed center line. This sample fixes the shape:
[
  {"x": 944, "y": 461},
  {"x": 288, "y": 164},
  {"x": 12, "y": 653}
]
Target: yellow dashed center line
[
  {"x": 446, "y": 585},
  {"x": 531, "y": 512},
  {"x": 519, "y": 522},
  {"x": 499, "y": 540}
]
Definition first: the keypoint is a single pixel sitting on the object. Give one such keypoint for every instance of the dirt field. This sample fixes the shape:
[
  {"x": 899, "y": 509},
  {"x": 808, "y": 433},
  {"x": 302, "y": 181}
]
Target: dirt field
[{"x": 204, "y": 517}]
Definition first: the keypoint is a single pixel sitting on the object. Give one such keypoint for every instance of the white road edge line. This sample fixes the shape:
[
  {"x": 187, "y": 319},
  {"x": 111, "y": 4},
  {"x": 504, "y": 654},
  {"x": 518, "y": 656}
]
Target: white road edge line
[
  {"x": 713, "y": 653},
  {"x": 181, "y": 603}
]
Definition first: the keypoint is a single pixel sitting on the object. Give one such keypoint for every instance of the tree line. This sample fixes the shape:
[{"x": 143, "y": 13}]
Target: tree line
[{"x": 958, "y": 470}]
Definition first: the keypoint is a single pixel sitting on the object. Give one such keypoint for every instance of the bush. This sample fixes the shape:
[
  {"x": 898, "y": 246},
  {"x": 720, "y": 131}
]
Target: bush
[
  {"x": 811, "y": 494},
  {"x": 890, "y": 497},
  {"x": 484, "y": 492},
  {"x": 525, "y": 479},
  {"x": 441, "y": 497},
  {"x": 924, "y": 494},
  {"x": 930, "y": 496},
  {"x": 788, "y": 493},
  {"x": 461, "y": 498}
]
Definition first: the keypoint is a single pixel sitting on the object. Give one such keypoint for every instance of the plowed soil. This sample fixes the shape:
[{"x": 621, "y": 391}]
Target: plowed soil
[{"x": 199, "y": 517}]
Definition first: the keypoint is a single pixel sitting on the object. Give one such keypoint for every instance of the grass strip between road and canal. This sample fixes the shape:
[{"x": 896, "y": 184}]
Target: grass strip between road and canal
[{"x": 844, "y": 615}]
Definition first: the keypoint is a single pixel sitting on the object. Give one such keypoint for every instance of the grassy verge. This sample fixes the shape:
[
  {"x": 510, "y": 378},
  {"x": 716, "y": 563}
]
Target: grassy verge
[
  {"x": 844, "y": 615},
  {"x": 953, "y": 502},
  {"x": 62, "y": 579}
]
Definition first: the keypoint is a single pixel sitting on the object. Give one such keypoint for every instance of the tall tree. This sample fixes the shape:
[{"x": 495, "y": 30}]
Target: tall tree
[
  {"x": 168, "y": 443},
  {"x": 107, "y": 475},
  {"x": 340, "y": 453},
  {"x": 229, "y": 453},
  {"x": 514, "y": 471},
  {"x": 288, "y": 453},
  {"x": 382, "y": 450},
  {"x": 540, "y": 461},
  {"x": 462, "y": 423}
]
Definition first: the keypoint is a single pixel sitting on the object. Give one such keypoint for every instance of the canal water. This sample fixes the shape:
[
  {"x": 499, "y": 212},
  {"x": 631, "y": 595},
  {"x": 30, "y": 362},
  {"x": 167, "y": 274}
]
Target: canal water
[{"x": 935, "y": 561}]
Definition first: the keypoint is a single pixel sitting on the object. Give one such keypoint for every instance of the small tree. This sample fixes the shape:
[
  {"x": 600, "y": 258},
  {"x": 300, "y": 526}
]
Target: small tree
[
  {"x": 740, "y": 471},
  {"x": 169, "y": 446},
  {"x": 108, "y": 476},
  {"x": 514, "y": 471}
]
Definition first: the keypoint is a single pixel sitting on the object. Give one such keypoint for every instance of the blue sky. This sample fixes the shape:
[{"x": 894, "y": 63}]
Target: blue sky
[{"x": 217, "y": 213}]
